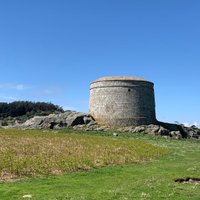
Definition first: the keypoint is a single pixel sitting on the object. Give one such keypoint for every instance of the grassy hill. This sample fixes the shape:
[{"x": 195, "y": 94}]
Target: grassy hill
[{"x": 68, "y": 165}]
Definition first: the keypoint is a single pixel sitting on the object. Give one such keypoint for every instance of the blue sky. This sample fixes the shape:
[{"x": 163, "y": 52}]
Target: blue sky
[{"x": 50, "y": 50}]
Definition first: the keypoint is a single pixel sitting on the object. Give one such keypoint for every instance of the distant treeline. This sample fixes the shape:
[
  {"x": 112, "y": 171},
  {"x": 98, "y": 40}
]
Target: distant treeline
[{"x": 20, "y": 108}]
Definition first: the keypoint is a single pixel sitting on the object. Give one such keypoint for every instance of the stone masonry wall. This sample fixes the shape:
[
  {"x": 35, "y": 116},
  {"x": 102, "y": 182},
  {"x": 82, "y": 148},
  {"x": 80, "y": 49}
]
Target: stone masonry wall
[{"x": 119, "y": 103}]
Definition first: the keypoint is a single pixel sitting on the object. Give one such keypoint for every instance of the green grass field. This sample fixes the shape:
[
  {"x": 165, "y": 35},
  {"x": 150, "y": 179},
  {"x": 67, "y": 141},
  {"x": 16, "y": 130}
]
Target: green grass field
[{"x": 66, "y": 165}]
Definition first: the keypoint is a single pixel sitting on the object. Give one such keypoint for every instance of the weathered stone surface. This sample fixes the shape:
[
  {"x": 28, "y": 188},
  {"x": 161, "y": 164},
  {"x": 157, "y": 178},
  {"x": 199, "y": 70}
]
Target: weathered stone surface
[
  {"x": 163, "y": 131},
  {"x": 184, "y": 131},
  {"x": 56, "y": 121},
  {"x": 88, "y": 120},
  {"x": 33, "y": 123},
  {"x": 139, "y": 129},
  {"x": 153, "y": 129},
  {"x": 122, "y": 101},
  {"x": 83, "y": 121},
  {"x": 175, "y": 134},
  {"x": 74, "y": 119},
  {"x": 91, "y": 123}
]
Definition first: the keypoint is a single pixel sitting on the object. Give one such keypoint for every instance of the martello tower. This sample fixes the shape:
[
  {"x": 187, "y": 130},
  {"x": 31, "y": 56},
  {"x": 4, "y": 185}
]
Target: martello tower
[{"x": 122, "y": 101}]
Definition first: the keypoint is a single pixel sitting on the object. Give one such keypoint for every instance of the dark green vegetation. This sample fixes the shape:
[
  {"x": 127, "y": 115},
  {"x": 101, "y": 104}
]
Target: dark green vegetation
[
  {"x": 23, "y": 110},
  {"x": 151, "y": 177}
]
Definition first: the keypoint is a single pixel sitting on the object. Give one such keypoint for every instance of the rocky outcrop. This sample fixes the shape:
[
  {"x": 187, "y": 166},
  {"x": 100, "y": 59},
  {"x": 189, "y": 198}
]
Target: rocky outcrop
[
  {"x": 56, "y": 121},
  {"x": 153, "y": 129},
  {"x": 83, "y": 121},
  {"x": 160, "y": 129},
  {"x": 176, "y": 131}
]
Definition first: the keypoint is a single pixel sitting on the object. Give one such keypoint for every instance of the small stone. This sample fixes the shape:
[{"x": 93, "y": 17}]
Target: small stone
[
  {"x": 115, "y": 134},
  {"x": 29, "y": 196}
]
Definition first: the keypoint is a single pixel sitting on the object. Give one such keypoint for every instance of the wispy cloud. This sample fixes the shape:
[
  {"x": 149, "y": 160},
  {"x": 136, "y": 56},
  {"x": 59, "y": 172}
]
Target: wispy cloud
[
  {"x": 12, "y": 86},
  {"x": 20, "y": 87},
  {"x": 9, "y": 98}
]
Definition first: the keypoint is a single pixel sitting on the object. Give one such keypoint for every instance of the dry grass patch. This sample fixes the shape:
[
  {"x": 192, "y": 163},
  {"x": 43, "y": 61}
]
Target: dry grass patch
[{"x": 33, "y": 153}]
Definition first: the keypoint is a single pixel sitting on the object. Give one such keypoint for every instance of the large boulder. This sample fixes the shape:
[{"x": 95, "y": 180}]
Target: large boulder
[
  {"x": 75, "y": 118},
  {"x": 34, "y": 122},
  {"x": 56, "y": 121}
]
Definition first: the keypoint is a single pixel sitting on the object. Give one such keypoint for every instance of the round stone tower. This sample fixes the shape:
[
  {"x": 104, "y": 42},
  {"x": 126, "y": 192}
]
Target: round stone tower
[{"x": 121, "y": 101}]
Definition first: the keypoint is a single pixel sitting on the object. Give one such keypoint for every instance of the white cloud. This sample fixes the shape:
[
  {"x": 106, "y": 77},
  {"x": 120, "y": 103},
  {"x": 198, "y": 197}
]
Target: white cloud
[{"x": 12, "y": 86}]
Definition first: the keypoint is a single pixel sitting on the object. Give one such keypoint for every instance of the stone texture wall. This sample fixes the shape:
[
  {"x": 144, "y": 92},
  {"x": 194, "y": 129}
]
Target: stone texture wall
[{"x": 119, "y": 102}]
